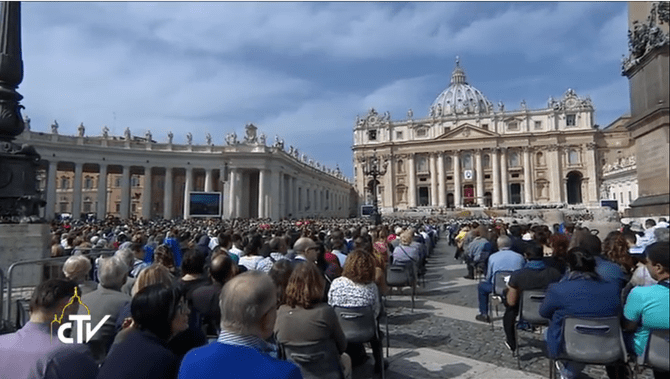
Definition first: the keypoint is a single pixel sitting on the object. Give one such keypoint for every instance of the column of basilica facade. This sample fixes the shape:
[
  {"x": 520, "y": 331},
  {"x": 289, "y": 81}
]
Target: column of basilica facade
[
  {"x": 133, "y": 176},
  {"x": 466, "y": 153}
]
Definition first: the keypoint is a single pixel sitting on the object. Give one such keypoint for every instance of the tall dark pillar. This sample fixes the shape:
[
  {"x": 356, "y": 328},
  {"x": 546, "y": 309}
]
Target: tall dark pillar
[{"x": 19, "y": 196}]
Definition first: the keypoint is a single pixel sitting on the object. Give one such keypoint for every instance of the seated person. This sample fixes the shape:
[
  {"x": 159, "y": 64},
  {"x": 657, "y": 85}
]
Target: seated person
[
  {"x": 77, "y": 269},
  {"x": 356, "y": 288},
  {"x": 647, "y": 308},
  {"x": 35, "y": 351},
  {"x": 159, "y": 312},
  {"x": 106, "y": 300},
  {"x": 503, "y": 260},
  {"x": 407, "y": 253},
  {"x": 583, "y": 293},
  {"x": 248, "y": 313},
  {"x": 478, "y": 251},
  {"x": 305, "y": 318},
  {"x": 206, "y": 298},
  {"x": 535, "y": 275}
]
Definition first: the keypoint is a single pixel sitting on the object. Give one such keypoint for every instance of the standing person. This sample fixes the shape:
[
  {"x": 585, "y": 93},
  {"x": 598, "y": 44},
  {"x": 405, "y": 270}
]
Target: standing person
[
  {"x": 159, "y": 312},
  {"x": 172, "y": 242},
  {"x": 248, "y": 314},
  {"x": 35, "y": 351},
  {"x": 647, "y": 308},
  {"x": 206, "y": 298},
  {"x": 583, "y": 293}
]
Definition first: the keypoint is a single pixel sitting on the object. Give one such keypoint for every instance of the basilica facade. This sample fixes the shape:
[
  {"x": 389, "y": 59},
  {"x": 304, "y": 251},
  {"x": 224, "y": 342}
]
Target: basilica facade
[{"x": 468, "y": 152}]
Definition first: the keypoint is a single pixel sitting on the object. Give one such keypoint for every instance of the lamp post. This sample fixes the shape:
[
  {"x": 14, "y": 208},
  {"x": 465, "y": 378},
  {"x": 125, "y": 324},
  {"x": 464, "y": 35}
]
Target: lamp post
[
  {"x": 375, "y": 169},
  {"x": 19, "y": 198}
]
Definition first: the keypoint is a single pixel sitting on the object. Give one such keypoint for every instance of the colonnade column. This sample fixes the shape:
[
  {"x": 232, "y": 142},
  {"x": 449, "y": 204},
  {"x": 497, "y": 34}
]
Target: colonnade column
[
  {"x": 102, "y": 192},
  {"x": 76, "y": 198},
  {"x": 232, "y": 179},
  {"x": 261, "y": 192},
  {"x": 458, "y": 198},
  {"x": 291, "y": 191},
  {"x": 496, "y": 176},
  {"x": 433, "y": 181},
  {"x": 479, "y": 177},
  {"x": 188, "y": 187},
  {"x": 167, "y": 195},
  {"x": 527, "y": 181},
  {"x": 125, "y": 193},
  {"x": 50, "y": 208},
  {"x": 411, "y": 193},
  {"x": 442, "y": 187},
  {"x": 208, "y": 179},
  {"x": 555, "y": 174},
  {"x": 504, "y": 176},
  {"x": 146, "y": 194}
]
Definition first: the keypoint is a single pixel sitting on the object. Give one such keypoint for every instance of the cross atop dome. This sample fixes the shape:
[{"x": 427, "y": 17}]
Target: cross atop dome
[{"x": 458, "y": 75}]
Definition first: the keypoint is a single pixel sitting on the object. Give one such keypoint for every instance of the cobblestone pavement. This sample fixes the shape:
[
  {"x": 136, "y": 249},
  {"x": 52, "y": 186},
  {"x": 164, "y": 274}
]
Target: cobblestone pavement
[{"x": 440, "y": 338}]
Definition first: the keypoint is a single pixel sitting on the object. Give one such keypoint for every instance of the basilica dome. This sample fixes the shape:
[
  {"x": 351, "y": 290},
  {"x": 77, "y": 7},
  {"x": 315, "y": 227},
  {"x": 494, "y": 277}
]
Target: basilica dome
[{"x": 460, "y": 98}]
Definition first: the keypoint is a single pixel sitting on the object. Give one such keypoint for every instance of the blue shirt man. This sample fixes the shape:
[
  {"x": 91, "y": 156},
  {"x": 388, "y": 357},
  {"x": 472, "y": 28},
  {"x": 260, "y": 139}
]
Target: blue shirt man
[
  {"x": 248, "y": 313},
  {"x": 504, "y": 260}
]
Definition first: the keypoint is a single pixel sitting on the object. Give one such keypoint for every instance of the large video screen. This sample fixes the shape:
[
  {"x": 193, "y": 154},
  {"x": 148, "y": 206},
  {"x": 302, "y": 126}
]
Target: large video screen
[
  {"x": 366, "y": 210},
  {"x": 205, "y": 204}
]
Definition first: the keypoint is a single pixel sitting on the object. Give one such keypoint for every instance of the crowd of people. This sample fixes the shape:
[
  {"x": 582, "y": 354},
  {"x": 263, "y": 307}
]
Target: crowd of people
[
  {"x": 625, "y": 274},
  {"x": 196, "y": 298}
]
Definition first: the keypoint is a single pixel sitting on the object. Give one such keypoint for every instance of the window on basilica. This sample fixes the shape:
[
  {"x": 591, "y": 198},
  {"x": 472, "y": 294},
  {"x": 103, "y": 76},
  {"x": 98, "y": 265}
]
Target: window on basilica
[
  {"x": 422, "y": 164},
  {"x": 372, "y": 135},
  {"x": 398, "y": 135},
  {"x": 467, "y": 162},
  {"x": 573, "y": 157},
  {"x": 421, "y": 132},
  {"x": 401, "y": 165},
  {"x": 514, "y": 159},
  {"x": 570, "y": 120},
  {"x": 538, "y": 125},
  {"x": 486, "y": 161},
  {"x": 512, "y": 125}
]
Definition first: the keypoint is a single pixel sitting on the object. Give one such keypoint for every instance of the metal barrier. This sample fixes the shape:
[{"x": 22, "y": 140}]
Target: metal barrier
[
  {"x": 2, "y": 293},
  {"x": 10, "y": 271}
]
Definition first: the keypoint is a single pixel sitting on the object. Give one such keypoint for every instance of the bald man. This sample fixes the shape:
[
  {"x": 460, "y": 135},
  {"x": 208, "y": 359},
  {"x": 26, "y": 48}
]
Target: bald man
[
  {"x": 306, "y": 250},
  {"x": 248, "y": 313}
]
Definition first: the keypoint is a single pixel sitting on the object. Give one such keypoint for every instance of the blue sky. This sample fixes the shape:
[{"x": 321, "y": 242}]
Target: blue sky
[{"x": 303, "y": 71}]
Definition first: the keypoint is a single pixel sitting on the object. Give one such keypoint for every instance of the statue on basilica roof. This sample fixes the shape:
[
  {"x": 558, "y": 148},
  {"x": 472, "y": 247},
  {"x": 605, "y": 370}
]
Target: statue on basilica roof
[
  {"x": 81, "y": 130},
  {"x": 54, "y": 127}
]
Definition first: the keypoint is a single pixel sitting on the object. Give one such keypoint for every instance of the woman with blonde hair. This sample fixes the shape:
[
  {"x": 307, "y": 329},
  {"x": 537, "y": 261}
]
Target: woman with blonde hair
[{"x": 305, "y": 318}]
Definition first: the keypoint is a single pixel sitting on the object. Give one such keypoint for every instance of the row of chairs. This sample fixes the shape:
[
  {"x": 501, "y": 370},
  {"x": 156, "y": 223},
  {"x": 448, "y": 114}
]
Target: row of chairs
[
  {"x": 322, "y": 359},
  {"x": 594, "y": 340}
]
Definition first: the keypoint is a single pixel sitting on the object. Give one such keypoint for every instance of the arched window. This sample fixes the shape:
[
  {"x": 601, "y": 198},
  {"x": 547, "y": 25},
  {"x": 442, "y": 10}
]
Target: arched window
[
  {"x": 117, "y": 181},
  {"x": 467, "y": 161},
  {"x": 401, "y": 166},
  {"x": 573, "y": 156},
  {"x": 486, "y": 161},
  {"x": 64, "y": 182},
  {"x": 88, "y": 182},
  {"x": 449, "y": 164},
  {"x": 514, "y": 159},
  {"x": 540, "y": 159}
]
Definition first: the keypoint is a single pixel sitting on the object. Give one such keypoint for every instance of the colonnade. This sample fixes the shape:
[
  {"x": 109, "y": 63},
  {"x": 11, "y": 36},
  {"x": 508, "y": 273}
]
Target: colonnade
[{"x": 263, "y": 193}]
